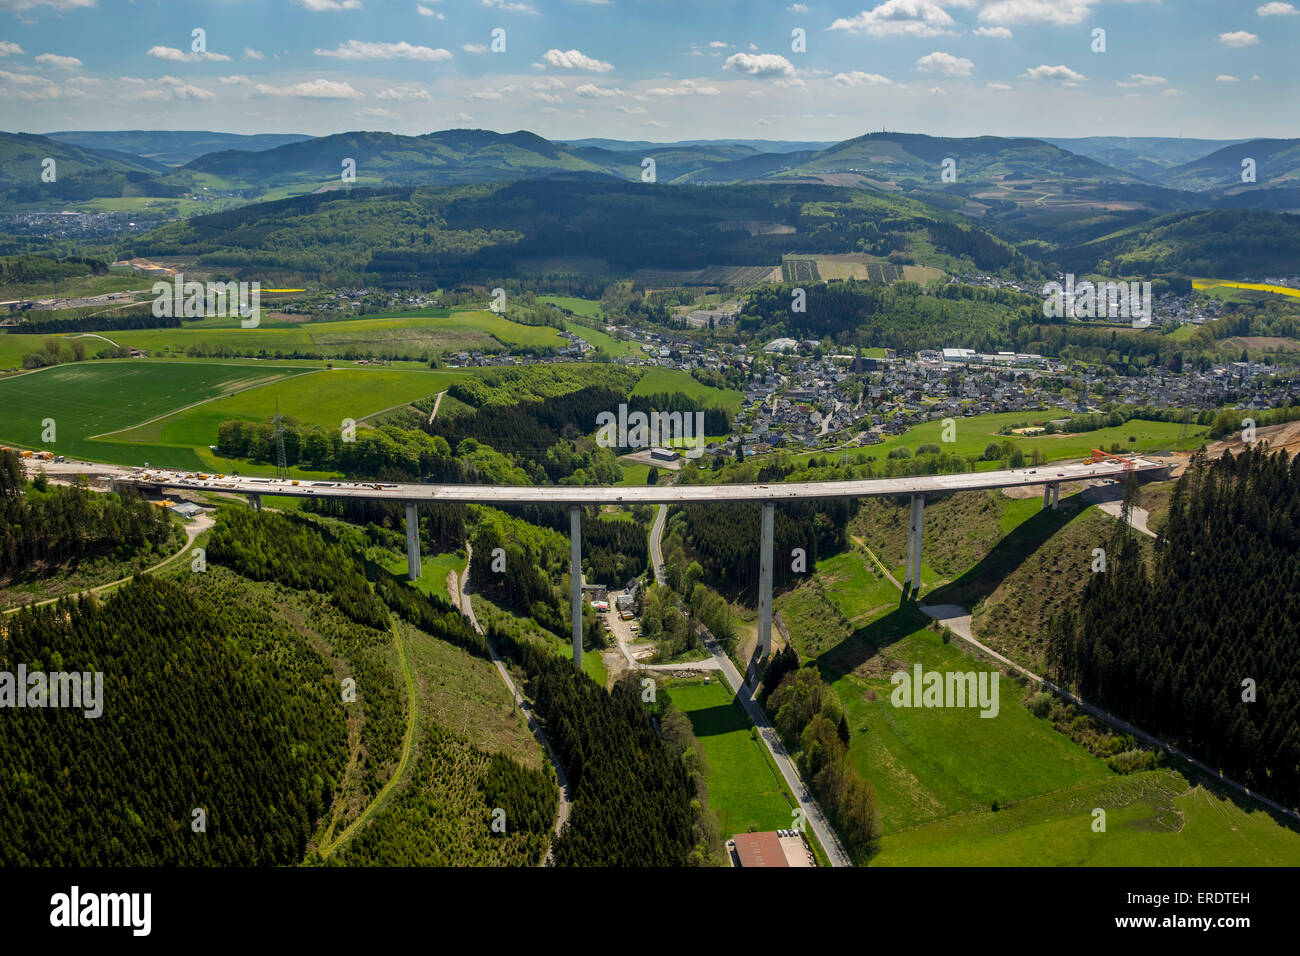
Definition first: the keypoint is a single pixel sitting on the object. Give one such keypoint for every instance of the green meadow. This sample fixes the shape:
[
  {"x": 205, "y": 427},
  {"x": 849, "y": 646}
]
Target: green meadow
[
  {"x": 940, "y": 772},
  {"x": 745, "y": 790},
  {"x": 96, "y": 398},
  {"x": 657, "y": 380}
]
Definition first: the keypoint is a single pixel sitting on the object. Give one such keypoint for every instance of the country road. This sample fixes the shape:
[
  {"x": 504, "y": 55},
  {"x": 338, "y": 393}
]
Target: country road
[
  {"x": 811, "y": 811},
  {"x": 958, "y": 620},
  {"x": 656, "y": 545},
  {"x": 193, "y": 529},
  {"x": 460, "y": 598}
]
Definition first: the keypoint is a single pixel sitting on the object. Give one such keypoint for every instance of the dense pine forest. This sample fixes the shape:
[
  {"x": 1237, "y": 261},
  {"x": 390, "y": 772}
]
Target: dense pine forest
[
  {"x": 632, "y": 791},
  {"x": 44, "y": 525},
  {"x": 206, "y": 704},
  {"x": 1204, "y": 650}
]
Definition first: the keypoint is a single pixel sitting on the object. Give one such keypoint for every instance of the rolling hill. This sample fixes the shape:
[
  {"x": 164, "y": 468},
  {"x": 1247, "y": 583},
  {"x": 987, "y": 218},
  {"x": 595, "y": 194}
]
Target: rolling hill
[
  {"x": 21, "y": 156},
  {"x": 1149, "y": 157},
  {"x": 1277, "y": 164},
  {"x": 171, "y": 147},
  {"x": 444, "y": 158}
]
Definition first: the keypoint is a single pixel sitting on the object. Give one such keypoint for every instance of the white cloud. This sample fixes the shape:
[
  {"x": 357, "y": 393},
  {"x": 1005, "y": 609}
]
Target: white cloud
[
  {"x": 797, "y": 8},
  {"x": 171, "y": 53},
  {"x": 575, "y": 60},
  {"x": 404, "y": 93},
  {"x": 311, "y": 90},
  {"x": 759, "y": 64},
  {"x": 997, "y": 33},
  {"x": 1067, "y": 76},
  {"x": 236, "y": 80},
  {"x": 86, "y": 80},
  {"x": 1061, "y": 13},
  {"x": 654, "y": 123},
  {"x": 367, "y": 50},
  {"x": 1171, "y": 92},
  {"x": 474, "y": 47},
  {"x": 684, "y": 88},
  {"x": 375, "y": 112},
  {"x": 251, "y": 54},
  {"x": 591, "y": 91},
  {"x": 59, "y": 62},
  {"x": 937, "y": 91},
  {"x": 1238, "y": 38},
  {"x": 1226, "y": 78},
  {"x": 19, "y": 5},
  {"x": 718, "y": 45},
  {"x": 1142, "y": 79},
  {"x": 424, "y": 11},
  {"x": 1276, "y": 10},
  {"x": 913, "y": 18},
  {"x": 547, "y": 83},
  {"x": 998, "y": 87},
  {"x": 486, "y": 95},
  {"x": 945, "y": 63},
  {"x": 509, "y": 6},
  {"x": 8, "y": 49},
  {"x": 187, "y": 91},
  {"x": 858, "y": 78},
  {"x": 631, "y": 110},
  {"x": 324, "y": 6},
  {"x": 546, "y": 97}
]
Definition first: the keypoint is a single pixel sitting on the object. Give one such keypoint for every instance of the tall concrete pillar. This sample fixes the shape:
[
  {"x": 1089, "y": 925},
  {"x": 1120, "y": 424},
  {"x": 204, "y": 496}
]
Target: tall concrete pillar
[
  {"x": 413, "y": 570},
  {"x": 1047, "y": 495},
  {"x": 575, "y": 579},
  {"x": 1056, "y": 495},
  {"x": 910, "y": 563},
  {"x": 765, "y": 582},
  {"x": 920, "y": 534},
  {"x": 255, "y": 501}
]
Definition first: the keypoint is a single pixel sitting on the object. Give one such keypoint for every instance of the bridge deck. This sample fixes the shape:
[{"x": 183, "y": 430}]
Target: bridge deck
[{"x": 649, "y": 494}]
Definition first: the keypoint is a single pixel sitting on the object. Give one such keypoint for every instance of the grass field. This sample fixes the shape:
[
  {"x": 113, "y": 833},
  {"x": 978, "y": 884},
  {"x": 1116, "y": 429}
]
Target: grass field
[
  {"x": 604, "y": 341},
  {"x": 938, "y": 771},
  {"x": 658, "y": 380},
  {"x": 745, "y": 791},
  {"x": 1152, "y": 819},
  {"x": 410, "y": 334},
  {"x": 95, "y": 398},
  {"x": 589, "y": 308},
  {"x": 322, "y": 397}
]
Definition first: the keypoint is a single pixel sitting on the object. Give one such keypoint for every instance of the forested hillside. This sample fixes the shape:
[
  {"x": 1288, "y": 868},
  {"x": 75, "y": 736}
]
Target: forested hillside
[
  {"x": 44, "y": 526},
  {"x": 1205, "y": 649},
  {"x": 206, "y": 704}
]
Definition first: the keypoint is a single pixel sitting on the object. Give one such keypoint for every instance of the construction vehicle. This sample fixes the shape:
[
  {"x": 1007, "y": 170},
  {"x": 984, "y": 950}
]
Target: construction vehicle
[{"x": 1098, "y": 457}]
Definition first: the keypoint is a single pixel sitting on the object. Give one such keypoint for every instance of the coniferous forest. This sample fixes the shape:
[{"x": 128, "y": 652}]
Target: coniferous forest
[
  {"x": 49, "y": 525},
  {"x": 1203, "y": 650}
]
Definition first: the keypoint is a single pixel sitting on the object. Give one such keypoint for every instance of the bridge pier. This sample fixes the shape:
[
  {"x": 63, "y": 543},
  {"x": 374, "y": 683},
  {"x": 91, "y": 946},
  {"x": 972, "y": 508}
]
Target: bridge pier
[
  {"x": 1056, "y": 495},
  {"x": 915, "y": 526},
  {"x": 1047, "y": 496},
  {"x": 765, "y": 582},
  {"x": 413, "y": 569},
  {"x": 575, "y": 580},
  {"x": 255, "y": 501}
]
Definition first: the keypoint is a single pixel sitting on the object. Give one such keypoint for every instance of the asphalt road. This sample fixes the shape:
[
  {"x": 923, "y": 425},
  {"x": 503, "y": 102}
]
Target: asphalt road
[{"x": 616, "y": 494}]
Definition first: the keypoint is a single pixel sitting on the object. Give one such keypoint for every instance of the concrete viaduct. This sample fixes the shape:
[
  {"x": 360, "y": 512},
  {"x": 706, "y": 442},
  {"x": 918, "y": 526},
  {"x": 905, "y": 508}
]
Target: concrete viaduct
[{"x": 576, "y": 497}]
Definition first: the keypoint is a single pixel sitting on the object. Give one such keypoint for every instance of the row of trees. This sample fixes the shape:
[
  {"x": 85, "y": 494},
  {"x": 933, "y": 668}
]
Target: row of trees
[{"x": 808, "y": 714}]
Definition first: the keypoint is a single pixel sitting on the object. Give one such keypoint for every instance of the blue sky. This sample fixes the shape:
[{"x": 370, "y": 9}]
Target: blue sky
[{"x": 655, "y": 69}]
